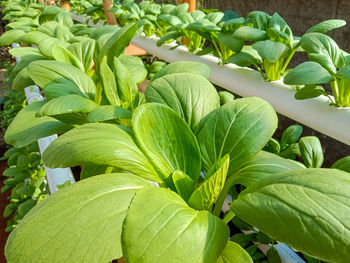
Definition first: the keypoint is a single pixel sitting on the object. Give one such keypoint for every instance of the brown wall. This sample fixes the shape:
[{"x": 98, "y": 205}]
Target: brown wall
[{"x": 299, "y": 14}]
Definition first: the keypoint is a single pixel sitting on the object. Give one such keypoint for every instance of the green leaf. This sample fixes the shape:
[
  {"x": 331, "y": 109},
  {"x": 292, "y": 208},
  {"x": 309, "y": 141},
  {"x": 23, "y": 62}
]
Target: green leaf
[
  {"x": 10, "y": 37},
  {"x": 247, "y": 33},
  {"x": 272, "y": 146},
  {"x": 169, "y": 36},
  {"x": 117, "y": 43},
  {"x": 273, "y": 255},
  {"x": 234, "y": 253},
  {"x": 204, "y": 197},
  {"x": 308, "y": 73},
  {"x": 291, "y": 151},
  {"x": 32, "y": 37},
  {"x": 47, "y": 45},
  {"x": 127, "y": 88},
  {"x": 83, "y": 51},
  {"x": 323, "y": 50},
  {"x": 240, "y": 128},
  {"x": 310, "y": 91},
  {"x": 313, "y": 208},
  {"x": 24, "y": 52},
  {"x": 57, "y": 79},
  {"x": 184, "y": 184},
  {"x": 270, "y": 50},
  {"x": 108, "y": 112},
  {"x": 242, "y": 59},
  {"x": 64, "y": 55},
  {"x": 327, "y": 25},
  {"x": 89, "y": 170},
  {"x": 26, "y": 128},
  {"x": 115, "y": 148},
  {"x": 25, "y": 207},
  {"x": 135, "y": 66},
  {"x": 170, "y": 226},
  {"x": 342, "y": 164},
  {"x": 190, "y": 95},
  {"x": 291, "y": 134},
  {"x": 183, "y": 67},
  {"x": 22, "y": 80},
  {"x": 215, "y": 17},
  {"x": 263, "y": 165},
  {"x": 311, "y": 151},
  {"x": 230, "y": 41},
  {"x": 71, "y": 109},
  {"x": 225, "y": 97},
  {"x": 109, "y": 83},
  {"x": 167, "y": 141},
  {"x": 86, "y": 226}
]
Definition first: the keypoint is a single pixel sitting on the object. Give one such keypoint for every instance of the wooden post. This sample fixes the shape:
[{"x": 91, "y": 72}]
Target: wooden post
[
  {"x": 65, "y": 4},
  {"x": 110, "y": 17},
  {"x": 192, "y": 4}
]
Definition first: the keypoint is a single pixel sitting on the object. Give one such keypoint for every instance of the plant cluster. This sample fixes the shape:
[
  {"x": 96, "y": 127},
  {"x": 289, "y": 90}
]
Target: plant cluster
[
  {"x": 196, "y": 144},
  {"x": 261, "y": 41}
]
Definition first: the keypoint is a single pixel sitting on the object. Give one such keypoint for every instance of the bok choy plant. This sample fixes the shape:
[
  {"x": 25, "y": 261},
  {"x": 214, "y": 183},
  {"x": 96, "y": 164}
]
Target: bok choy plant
[
  {"x": 274, "y": 44},
  {"x": 328, "y": 64},
  {"x": 197, "y": 151}
]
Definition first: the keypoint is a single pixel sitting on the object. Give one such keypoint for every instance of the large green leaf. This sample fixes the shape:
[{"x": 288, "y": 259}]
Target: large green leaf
[
  {"x": 32, "y": 37},
  {"x": 101, "y": 144},
  {"x": 23, "y": 52},
  {"x": 64, "y": 55},
  {"x": 183, "y": 67},
  {"x": 240, "y": 128},
  {"x": 308, "y": 73},
  {"x": 26, "y": 128},
  {"x": 190, "y": 95},
  {"x": 270, "y": 50},
  {"x": 261, "y": 166},
  {"x": 47, "y": 45},
  {"x": 204, "y": 197},
  {"x": 79, "y": 223},
  {"x": 327, "y": 25},
  {"x": 72, "y": 109},
  {"x": 167, "y": 141},
  {"x": 171, "y": 231},
  {"x": 58, "y": 78},
  {"x": 248, "y": 33},
  {"x": 307, "y": 209},
  {"x": 234, "y": 253},
  {"x": 10, "y": 37}
]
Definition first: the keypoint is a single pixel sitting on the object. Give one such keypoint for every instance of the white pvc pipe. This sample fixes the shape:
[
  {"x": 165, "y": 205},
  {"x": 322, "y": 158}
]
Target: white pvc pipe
[
  {"x": 56, "y": 176},
  {"x": 315, "y": 113}
]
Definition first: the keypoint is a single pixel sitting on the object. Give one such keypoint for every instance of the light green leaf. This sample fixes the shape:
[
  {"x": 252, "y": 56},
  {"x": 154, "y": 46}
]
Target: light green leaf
[
  {"x": 170, "y": 226},
  {"x": 167, "y": 141},
  {"x": 270, "y": 50},
  {"x": 127, "y": 88},
  {"x": 32, "y": 37},
  {"x": 327, "y": 25},
  {"x": 115, "y": 148},
  {"x": 84, "y": 52},
  {"x": 169, "y": 36},
  {"x": 71, "y": 109},
  {"x": 184, "y": 67},
  {"x": 313, "y": 208},
  {"x": 184, "y": 184},
  {"x": 90, "y": 170},
  {"x": 190, "y": 95},
  {"x": 225, "y": 97},
  {"x": 22, "y": 80},
  {"x": 230, "y": 41},
  {"x": 64, "y": 55},
  {"x": 240, "y": 128},
  {"x": 23, "y": 52},
  {"x": 86, "y": 226},
  {"x": 47, "y": 45},
  {"x": 308, "y": 73},
  {"x": 26, "y": 128},
  {"x": 135, "y": 66},
  {"x": 109, "y": 83},
  {"x": 234, "y": 253},
  {"x": 311, "y": 151},
  {"x": 204, "y": 197},
  {"x": 57, "y": 79},
  {"x": 10, "y": 37},
  {"x": 108, "y": 112},
  {"x": 247, "y": 33},
  {"x": 263, "y": 165},
  {"x": 310, "y": 91}
]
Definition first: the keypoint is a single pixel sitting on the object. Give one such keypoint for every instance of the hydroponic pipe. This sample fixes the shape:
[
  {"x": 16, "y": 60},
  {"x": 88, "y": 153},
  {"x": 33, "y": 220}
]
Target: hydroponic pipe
[
  {"x": 57, "y": 176},
  {"x": 315, "y": 113}
]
